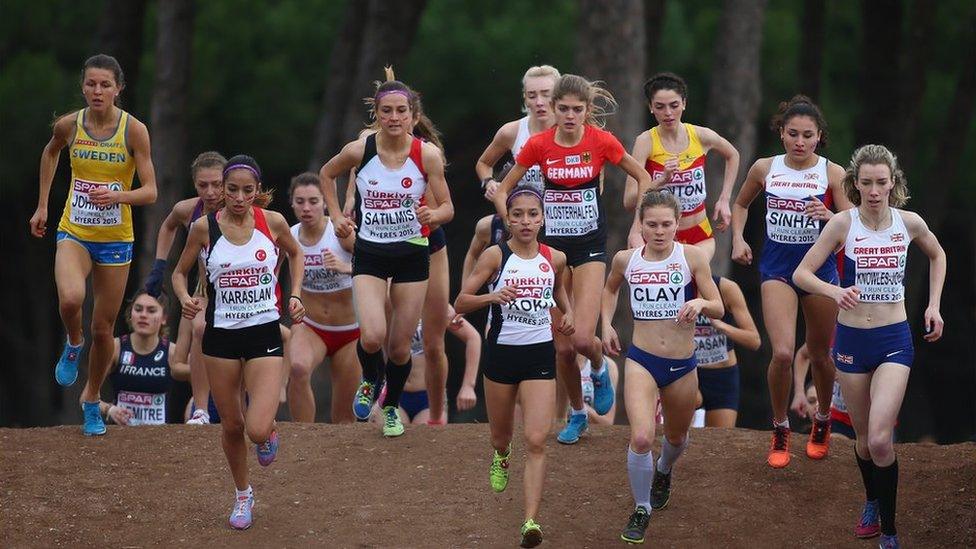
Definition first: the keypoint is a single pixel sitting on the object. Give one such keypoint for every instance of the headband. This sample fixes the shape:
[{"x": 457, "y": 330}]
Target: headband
[
  {"x": 383, "y": 94},
  {"x": 244, "y": 166},
  {"x": 526, "y": 190}
]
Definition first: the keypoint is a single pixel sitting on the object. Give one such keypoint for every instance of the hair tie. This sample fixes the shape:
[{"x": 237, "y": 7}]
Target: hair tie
[{"x": 244, "y": 166}]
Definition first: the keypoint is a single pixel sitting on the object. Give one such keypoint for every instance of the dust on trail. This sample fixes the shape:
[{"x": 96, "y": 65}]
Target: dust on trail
[{"x": 347, "y": 486}]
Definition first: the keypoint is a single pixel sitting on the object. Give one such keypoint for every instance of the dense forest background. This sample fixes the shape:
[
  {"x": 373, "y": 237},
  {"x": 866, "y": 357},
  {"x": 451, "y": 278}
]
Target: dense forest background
[{"x": 283, "y": 82}]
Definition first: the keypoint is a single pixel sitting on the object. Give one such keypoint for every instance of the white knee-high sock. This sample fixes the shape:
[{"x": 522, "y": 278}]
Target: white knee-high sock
[
  {"x": 640, "y": 469},
  {"x": 670, "y": 454}
]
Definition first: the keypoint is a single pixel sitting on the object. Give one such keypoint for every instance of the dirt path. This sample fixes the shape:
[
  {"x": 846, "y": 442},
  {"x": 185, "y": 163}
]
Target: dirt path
[{"x": 346, "y": 486}]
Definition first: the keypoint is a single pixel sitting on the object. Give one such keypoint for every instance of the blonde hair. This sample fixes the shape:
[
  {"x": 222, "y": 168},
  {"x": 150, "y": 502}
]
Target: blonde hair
[
  {"x": 876, "y": 155},
  {"x": 600, "y": 102},
  {"x": 655, "y": 198},
  {"x": 541, "y": 70}
]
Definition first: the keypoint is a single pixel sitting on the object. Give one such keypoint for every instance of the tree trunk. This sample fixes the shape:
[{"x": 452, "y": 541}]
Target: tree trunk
[
  {"x": 120, "y": 35},
  {"x": 733, "y": 100},
  {"x": 654, "y": 14},
  {"x": 169, "y": 119},
  {"x": 812, "y": 47},
  {"x": 328, "y": 130},
  {"x": 386, "y": 39},
  {"x": 912, "y": 90},
  {"x": 878, "y": 119}
]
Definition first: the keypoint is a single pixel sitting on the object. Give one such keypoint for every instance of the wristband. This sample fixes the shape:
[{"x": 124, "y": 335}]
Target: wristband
[{"x": 296, "y": 297}]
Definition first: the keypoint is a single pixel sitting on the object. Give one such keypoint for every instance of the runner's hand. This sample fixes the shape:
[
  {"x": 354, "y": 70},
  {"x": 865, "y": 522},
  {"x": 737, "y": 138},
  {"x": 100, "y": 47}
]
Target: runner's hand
[
  {"x": 296, "y": 309},
  {"x": 741, "y": 252},
  {"x": 567, "y": 326},
  {"x": 191, "y": 306},
  {"x": 816, "y": 209},
  {"x": 120, "y": 415},
  {"x": 611, "y": 343},
  {"x": 343, "y": 226},
  {"x": 466, "y": 398},
  {"x": 504, "y": 295},
  {"x": 722, "y": 215},
  {"x": 847, "y": 298},
  {"x": 101, "y": 195},
  {"x": 933, "y": 324},
  {"x": 38, "y": 222},
  {"x": 330, "y": 261}
]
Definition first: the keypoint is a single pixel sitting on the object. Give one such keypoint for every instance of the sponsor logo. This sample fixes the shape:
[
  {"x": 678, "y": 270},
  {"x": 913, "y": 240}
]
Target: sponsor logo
[
  {"x": 889, "y": 355},
  {"x": 786, "y": 204},
  {"x": 589, "y": 195},
  {"x": 774, "y": 176},
  {"x": 573, "y": 160},
  {"x": 897, "y": 237},
  {"x": 406, "y": 183},
  {"x": 273, "y": 349},
  {"x": 644, "y": 277},
  {"x": 260, "y": 255},
  {"x": 550, "y": 162},
  {"x": 877, "y": 262},
  {"x": 594, "y": 254},
  {"x": 861, "y": 238},
  {"x": 224, "y": 265},
  {"x": 673, "y": 369},
  {"x": 86, "y": 142},
  {"x": 677, "y": 277},
  {"x": 159, "y": 355},
  {"x": 373, "y": 182}
]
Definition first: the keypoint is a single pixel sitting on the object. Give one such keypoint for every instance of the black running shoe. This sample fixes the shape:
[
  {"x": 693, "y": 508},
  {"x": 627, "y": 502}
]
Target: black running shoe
[
  {"x": 634, "y": 532},
  {"x": 660, "y": 490}
]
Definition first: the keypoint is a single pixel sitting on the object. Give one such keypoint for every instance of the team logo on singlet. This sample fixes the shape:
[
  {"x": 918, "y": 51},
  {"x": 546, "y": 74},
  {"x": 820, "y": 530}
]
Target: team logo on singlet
[
  {"x": 127, "y": 357},
  {"x": 587, "y": 157},
  {"x": 406, "y": 182},
  {"x": 260, "y": 255},
  {"x": 897, "y": 237}
]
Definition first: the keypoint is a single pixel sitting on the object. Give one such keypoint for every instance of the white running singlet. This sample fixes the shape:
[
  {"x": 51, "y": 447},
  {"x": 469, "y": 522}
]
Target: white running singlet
[
  {"x": 318, "y": 278},
  {"x": 659, "y": 289},
  {"x": 525, "y": 320}
]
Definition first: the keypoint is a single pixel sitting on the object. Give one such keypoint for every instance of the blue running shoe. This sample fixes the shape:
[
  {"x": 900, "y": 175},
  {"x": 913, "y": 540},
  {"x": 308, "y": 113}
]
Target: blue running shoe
[
  {"x": 575, "y": 427},
  {"x": 267, "y": 451},
  {"x": 362, "y": 405},
  {"x": 869, "y": 525},
  {"x": 603, "y": 393},
  {"x": 888, "y": 542},
  {"x": 240, "y": 517},
  {"x": 66, "y": 372},
  {"x": 94, "y": 426}
]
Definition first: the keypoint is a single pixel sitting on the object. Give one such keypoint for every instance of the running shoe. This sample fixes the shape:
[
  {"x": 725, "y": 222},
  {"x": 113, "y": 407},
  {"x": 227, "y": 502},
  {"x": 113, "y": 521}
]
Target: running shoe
[
  {"x": 888, "y": 542},
  {"x": 869, "y": 525},
  {"x": 531, "y": 534},
  {"x": 779, "y": 448},
  {"x": 819, "y": 443},
  {"x": 636, "y": 526},
  {"x": 66, "y": 372},
  {"x": 392, "y": 426},
  {"x": 94, "y": 426},
  {"x": 575, "y": 427},
  {"x": 498, "y": 472},
  {"x": 199, "y": 417},
  {"x": 240, "y": 517},
  {"x": 362, "y": 405},
  {"x": 603, "y": 393},
  {"x": 660, "y": 489},
  {"x": 268, "y": 450}
]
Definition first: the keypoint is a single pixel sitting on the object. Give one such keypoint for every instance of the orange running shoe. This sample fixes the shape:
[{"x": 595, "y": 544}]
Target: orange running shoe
[
  {"x": 779, "y": 448},
  {"x": 819, "y": 443}
]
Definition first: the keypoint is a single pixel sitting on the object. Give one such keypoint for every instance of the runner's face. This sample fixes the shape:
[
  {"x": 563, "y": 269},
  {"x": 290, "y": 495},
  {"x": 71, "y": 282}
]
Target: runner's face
[
  {"x": 874, "y": 183},
  {"x": 240, "y": 190},
  {"x": 667, "y": 107},
  {"x": 147, "y": 316},
  {"x": 308, "y": 203},
  {"x": 394, "y": 114},
  {"x": 538, "y": 97},
  {"x": 100, "y": 89},
  {"x": 658, "y": 227},
  {"x": 570, "y": 113},
  {"x": 525, "y": 218},
  {"x": 800, "y": 136},
  {"x": 209, "y": 183}
]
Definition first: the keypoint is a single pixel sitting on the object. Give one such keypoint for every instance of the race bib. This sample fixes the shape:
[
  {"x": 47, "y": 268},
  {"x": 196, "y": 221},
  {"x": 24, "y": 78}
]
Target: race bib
[
  {"x": 244, "y": 293},
  {"x": 146, "y": 408},
  {"x": 688, "y": 186},
  {"x": 787, "y": 222},
  {"x": 84, "y": 212},
  {"x": 389, "y": 217},
  {"x": 710, "y": 344},
  {"x": 571, "y": 212}
]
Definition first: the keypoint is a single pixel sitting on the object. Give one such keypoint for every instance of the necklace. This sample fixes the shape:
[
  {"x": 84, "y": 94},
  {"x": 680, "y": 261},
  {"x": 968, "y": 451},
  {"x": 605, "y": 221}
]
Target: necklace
[{"x": 881, "y": 222}]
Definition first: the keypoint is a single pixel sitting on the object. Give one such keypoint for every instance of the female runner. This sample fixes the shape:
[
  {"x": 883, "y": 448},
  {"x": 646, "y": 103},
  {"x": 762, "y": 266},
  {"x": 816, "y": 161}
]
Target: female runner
[
  {"x": 525, "y": 281},
  {"x": 142, "y": 370},
  {"x": 675, "y": 154},
  {"x": 799, "y": 189},
  {"x": 207, "y": 172},
  {"x": 537, "y": 85},
  {"x": 95, "y": 232},
  {"x": 242, "y": 343},
  {"x": 662, "y": 276},
  {"x": 329, "y": 329},
  {"x": 718, "y": 366},
  {"x": 873, "y": 349},
  {"x": 394, "y": 170},
  {"x": 573, "y": 153}
]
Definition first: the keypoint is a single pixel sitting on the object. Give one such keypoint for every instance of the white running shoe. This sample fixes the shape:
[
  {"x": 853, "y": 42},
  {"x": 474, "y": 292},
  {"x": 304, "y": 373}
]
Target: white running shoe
[{"x": 199, "y": 417}]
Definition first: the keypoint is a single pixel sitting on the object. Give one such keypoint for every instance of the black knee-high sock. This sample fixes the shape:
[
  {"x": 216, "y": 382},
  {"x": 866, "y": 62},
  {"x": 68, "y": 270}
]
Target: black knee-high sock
[
  {"x": 370, "y": 362},
  {"x": 867, "y": 476},
  {"x": 396, "y": 378},
  {"x": 886, "y": 485}
]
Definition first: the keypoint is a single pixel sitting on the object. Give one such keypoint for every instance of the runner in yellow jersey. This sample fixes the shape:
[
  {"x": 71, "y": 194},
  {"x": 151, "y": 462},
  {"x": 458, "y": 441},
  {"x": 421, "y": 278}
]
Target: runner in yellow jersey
[
  {"x": 107, "y": 146},
  {"x": 674, "y": 154}
]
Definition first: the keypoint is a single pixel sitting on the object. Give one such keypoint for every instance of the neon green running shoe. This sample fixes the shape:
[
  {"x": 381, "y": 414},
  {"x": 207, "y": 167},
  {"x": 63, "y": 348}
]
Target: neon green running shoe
[
  {"x": 498, "y": 472},
  {"x": 392, "y": 426},
  {"x": 531, "y": 534}
]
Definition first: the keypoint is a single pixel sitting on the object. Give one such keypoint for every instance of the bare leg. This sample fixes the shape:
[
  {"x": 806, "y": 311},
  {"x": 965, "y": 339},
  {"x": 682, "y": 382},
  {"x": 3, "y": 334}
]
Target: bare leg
[{"x": 108, "y": 288}]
